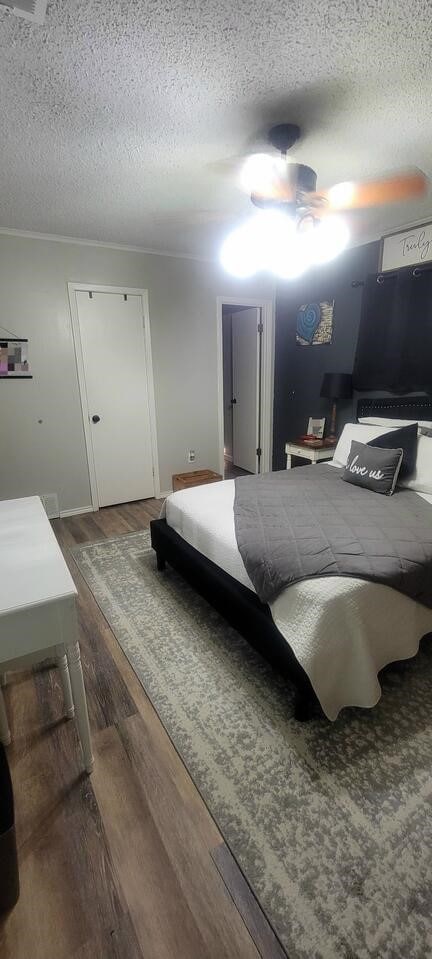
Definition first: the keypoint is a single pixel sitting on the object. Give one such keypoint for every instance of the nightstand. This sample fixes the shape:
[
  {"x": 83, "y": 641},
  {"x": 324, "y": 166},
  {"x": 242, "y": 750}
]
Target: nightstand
[{"x": 322, "y": 450}]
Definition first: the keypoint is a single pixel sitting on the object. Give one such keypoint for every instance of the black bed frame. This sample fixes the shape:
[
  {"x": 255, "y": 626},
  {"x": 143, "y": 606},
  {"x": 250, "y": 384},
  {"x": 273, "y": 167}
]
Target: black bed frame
[{"x": 239, "y": 605}]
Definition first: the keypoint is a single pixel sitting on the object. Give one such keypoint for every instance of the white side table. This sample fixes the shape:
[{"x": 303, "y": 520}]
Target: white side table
[
  {"x": 313, "y": 453},
  {"x": 38, "y": 607}
]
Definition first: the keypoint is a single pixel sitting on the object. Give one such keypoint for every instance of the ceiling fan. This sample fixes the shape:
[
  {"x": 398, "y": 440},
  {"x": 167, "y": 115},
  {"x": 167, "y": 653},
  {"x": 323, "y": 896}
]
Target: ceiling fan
[
  {"x": 282, "y": 183},
  {"x": 298, "y": 225}
]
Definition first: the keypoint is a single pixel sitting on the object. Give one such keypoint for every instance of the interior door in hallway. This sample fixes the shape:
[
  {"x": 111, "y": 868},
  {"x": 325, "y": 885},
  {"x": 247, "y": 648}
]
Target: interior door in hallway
[
  {"x": 116, "y": 383},
  {"x": 246, "y": 360}
]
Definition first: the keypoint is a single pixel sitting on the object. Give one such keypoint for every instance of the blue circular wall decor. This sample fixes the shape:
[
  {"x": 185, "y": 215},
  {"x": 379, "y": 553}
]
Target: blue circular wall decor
[{"x": 308, "y": 321}]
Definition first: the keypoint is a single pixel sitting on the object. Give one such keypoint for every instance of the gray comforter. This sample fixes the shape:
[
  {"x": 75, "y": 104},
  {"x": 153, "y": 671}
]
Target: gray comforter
[{"x": 307, "y": 522}]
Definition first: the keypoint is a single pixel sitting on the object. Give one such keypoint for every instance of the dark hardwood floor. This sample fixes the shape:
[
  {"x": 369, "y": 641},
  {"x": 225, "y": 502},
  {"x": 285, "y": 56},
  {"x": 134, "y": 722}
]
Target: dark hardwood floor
[
  {"x": 127, "y": 863},
  {"x": 231, "y": 471}
]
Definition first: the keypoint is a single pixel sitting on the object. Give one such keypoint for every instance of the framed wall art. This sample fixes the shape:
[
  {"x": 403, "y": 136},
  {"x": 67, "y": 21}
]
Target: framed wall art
[
  {"x": 406, "y": 247},
  {"x": 315, "y": 324},
  {"x": 13, "y": 357}
]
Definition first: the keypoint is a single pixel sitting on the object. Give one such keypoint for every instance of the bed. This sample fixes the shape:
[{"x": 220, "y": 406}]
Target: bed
[{"x": 330, "y": 636}]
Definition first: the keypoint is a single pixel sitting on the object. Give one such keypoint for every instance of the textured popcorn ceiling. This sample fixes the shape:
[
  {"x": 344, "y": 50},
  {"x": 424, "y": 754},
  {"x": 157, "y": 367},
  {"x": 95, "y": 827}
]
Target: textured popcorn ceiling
[{"x": 113, "y": 113}]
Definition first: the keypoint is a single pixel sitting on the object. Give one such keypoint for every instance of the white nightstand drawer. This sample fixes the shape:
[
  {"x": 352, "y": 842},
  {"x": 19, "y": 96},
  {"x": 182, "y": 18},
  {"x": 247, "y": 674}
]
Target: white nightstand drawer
[{"x": 313, "y": 454}]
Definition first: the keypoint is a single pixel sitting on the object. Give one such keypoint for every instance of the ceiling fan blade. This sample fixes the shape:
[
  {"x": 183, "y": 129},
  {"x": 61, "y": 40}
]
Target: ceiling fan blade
[
  {"x": 228, "y": 166},
  {"x": 367, "y": 193}
]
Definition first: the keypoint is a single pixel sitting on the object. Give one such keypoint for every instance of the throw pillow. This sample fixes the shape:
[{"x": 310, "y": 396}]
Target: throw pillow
[
  {"x": 404, "y": 438},
  {"x": 373, "y": 468}
]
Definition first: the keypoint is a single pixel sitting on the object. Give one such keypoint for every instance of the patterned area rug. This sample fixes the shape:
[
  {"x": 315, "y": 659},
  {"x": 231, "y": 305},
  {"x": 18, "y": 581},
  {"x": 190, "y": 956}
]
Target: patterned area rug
[{"x": 330, "y": 823}]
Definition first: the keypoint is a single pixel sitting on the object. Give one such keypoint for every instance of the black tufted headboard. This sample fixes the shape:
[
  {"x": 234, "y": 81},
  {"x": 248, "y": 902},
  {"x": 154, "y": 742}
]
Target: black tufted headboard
[{"x": 396, "y": 407}]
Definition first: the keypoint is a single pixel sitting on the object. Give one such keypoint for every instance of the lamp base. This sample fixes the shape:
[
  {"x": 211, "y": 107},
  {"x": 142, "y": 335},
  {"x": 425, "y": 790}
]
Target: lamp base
[{"x": 332, "y": 434}]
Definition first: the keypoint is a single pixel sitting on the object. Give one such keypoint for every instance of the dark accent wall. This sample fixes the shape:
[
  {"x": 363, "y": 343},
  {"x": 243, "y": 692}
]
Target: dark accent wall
[{"x": 299, "y": 369}]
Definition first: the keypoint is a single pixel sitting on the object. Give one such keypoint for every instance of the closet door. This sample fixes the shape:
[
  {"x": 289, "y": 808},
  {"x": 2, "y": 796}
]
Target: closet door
[
  {"x": 246, "y": 353},
  {"x": 116, "y": 383}
]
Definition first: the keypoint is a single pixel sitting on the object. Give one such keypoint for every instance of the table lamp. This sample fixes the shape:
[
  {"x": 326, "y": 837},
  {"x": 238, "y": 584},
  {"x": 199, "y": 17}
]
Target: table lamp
[{"x": 336, "y": 386}]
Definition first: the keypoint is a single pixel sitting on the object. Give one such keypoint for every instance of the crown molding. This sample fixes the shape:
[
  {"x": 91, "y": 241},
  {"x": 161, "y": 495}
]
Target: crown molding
[
  {"x": 412, "y": 224},
  {"x": 123, "y": 247}
]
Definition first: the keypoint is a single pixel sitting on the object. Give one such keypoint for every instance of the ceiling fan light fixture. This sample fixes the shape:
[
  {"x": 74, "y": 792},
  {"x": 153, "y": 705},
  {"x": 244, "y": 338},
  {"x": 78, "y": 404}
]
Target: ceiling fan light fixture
[
  {"x": 274, "y": 232},
  {"x": 292, "y": 262},
  {"x": 240, "y": 254},
  {"x": 258, "y": 244},
  {"x": 271, "y": 240},
  {"x": 259, "y": 171},
  {"x": 283, "y": 252},
  {"x": 329, "y": 239},
  {"x": 342, "y": 195}
]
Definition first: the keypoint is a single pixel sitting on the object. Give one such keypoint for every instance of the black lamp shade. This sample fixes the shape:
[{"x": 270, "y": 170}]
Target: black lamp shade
[{"x": 336, "y": 386}]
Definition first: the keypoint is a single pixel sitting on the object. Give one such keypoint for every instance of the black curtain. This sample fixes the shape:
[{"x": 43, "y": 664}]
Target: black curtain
[{"x": 394, "y": 349}]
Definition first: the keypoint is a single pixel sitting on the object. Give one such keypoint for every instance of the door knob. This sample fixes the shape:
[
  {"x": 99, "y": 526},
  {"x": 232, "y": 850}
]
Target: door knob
[
  {"x": 95, "y": 418},
  {"x": 233, "y": 401}
]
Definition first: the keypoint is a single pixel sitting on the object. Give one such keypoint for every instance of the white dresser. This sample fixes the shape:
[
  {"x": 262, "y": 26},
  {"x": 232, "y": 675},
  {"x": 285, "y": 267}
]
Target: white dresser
[{"x": 38, "y": 607}]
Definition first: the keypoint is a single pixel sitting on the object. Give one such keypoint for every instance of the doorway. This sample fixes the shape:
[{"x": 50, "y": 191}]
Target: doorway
[
  {"x": 112, "y": 343},
  {"x": 245, "y": 386}
]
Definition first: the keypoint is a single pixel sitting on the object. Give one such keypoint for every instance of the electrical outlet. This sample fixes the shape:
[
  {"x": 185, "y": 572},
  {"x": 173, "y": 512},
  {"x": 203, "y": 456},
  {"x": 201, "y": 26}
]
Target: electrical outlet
[{"x": 191, "y": 456}]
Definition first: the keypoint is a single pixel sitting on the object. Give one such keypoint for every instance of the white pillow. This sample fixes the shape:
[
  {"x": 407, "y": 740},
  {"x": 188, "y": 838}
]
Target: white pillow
[
  {"x": 421, "y": 479},
  {"x": 359, "y": 432},
  {"x": 388, "y": 423}
]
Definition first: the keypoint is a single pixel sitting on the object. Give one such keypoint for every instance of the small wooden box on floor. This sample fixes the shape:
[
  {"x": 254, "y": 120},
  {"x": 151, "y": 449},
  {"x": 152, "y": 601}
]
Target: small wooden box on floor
[{"x": 195, "y": 478}]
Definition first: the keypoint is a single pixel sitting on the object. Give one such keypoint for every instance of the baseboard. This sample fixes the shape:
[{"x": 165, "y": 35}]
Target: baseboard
[
  {"x": 75, "y": 512},
  {"x": 64, "y": 513}
]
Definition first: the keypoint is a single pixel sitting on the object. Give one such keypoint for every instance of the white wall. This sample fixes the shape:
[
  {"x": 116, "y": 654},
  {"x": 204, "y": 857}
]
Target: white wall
[{"x": 50, "y": 456}]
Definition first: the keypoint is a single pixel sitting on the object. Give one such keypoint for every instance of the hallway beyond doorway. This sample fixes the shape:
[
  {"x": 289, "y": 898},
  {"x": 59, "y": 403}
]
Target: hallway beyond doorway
[{"x": 232, "y": 472}]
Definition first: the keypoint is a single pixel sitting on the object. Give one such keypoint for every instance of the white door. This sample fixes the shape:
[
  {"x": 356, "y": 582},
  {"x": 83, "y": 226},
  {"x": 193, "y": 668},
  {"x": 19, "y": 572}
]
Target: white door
[
  {"x": 246, "y": 387},
  {"x": 116, "y": 382}
]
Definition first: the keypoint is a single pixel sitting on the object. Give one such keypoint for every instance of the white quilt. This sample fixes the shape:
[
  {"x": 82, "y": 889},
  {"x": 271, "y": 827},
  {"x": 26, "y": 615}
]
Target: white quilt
[{"x": 342, "y": 630}]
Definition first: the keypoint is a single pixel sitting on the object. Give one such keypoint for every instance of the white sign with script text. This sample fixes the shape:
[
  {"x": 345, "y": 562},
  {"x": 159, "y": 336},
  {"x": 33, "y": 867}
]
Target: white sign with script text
[{"x": 407, "y": 248}]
